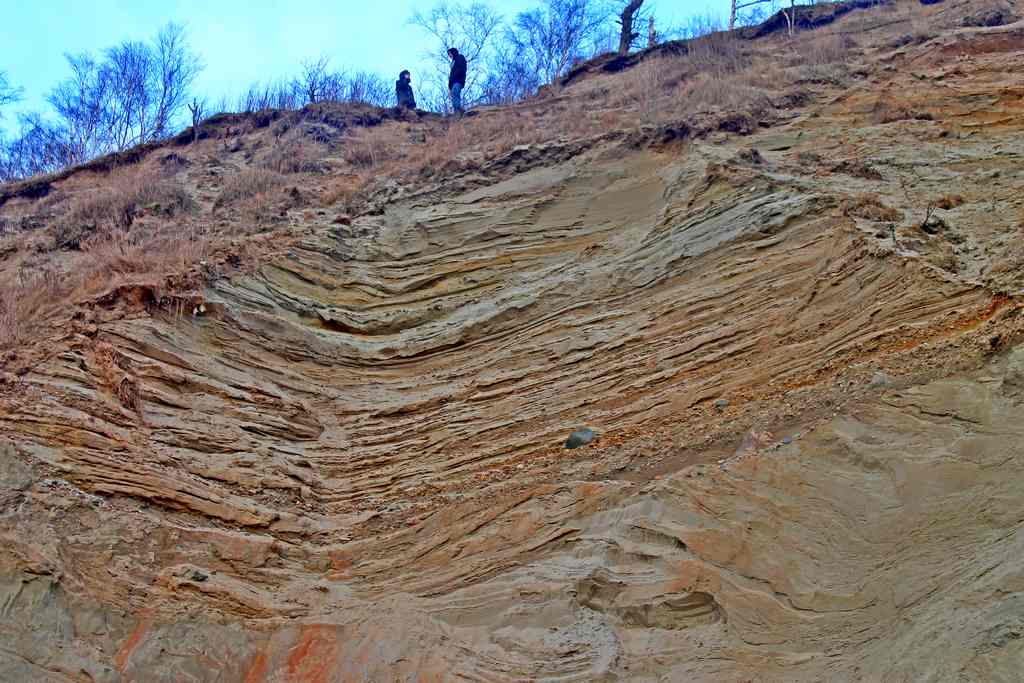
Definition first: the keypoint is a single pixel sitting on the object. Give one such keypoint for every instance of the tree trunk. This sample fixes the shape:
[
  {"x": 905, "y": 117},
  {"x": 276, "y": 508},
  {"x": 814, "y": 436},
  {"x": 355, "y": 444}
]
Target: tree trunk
[
  {"x": 627, "y": 35},
  {"x": 196, "y": 108},
  {"x": 732, "y": 16}
]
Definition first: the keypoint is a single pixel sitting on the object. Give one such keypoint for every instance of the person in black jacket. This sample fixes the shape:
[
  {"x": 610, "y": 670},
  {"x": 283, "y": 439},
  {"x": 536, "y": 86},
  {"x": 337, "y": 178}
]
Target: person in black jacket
[
  {"x": 457, "y": 78},
  {"x": 403, "y": 91}
]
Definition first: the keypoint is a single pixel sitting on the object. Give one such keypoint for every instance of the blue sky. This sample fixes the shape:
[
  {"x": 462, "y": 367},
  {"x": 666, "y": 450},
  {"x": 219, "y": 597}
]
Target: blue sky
[{"x": 240, "y": 41}]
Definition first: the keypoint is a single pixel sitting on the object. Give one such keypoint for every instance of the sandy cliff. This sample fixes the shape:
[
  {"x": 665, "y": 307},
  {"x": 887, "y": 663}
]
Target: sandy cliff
[{"x": 345, "y": 462}]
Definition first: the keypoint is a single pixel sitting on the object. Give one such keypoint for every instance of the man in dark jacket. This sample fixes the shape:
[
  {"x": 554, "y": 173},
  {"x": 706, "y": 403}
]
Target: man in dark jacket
[
  {"x": 457, "y": 78},
  {"x": 403, "y": 91}
]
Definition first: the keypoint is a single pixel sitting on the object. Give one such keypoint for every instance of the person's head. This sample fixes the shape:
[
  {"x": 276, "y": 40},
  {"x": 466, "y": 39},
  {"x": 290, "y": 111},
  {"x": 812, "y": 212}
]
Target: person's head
[
  {"x": 405, "y": 76},
  {"x": 452, "y": 52}
]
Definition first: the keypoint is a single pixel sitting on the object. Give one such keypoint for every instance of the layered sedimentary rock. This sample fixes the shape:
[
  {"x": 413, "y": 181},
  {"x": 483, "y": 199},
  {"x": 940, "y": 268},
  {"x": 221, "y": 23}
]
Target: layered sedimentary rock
[{"x": 349, "y": 464}]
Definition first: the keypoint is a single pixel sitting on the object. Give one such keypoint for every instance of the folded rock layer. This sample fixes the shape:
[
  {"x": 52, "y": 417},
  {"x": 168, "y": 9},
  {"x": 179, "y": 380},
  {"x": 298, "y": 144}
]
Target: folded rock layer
[{"x": 349, "y": 464}]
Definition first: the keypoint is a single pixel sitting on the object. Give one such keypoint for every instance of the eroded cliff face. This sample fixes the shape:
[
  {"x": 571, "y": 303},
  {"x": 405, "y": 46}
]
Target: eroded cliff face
[{"x": 348, "y": 464}]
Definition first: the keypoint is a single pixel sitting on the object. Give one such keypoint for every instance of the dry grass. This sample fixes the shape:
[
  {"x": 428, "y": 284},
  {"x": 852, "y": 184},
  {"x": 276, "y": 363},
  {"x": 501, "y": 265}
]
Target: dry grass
[
  {"x": 15, "y": 223},
  {"x": 718, "y": 75},
  {"x": 118, "y": 253},
  {"x": 137, "y": 224},
  {"x": 916, "y": 24},
  {"x": 249, "y": 183},
  {"x": 25, "y": 299},
  {"x": 718, "y": 52},
  {"x": 824, "y": 59},
  {"x": 871, "y": 207},
  {"x": 114, "y": 371},
  {"x": 134, "y": 226},
  {"x": 949, "y": 201},
  {"x": 372, "y": 147},
  {"x": 829, "y": 48},
  {"x": 257, "y": 195},
  {"x": 708, "y": 92},
  {"x": 293, "y": 155},
  {"x": 716, "y": 72},
  {"x": 398, "y": 150},
  {"x": 109, "y": 258},
  {"x": 342, "y": 189},
  {"x": 115, "y": 204},
  {"x": 857, "y": 168},
  {"x": 647, "y": 86}
]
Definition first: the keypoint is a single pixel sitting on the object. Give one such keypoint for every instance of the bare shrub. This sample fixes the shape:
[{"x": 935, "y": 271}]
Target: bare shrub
[
  {"x": 341, "y": 189},
  {"x": 824, "y": 74},
  {"x": 370, "y": 148},
  {"x": 250, "y": 183},
  {"x": 152, "y": 252},
  {"x": 10, "y": 321},
  {"x": 117, "y": 203},
  {"x": 824, "y": 59},
  {"x": 23, "y": 301},
  {"x": 114, "y": 371},
  {"x": 15, "y": 221},
  {"x": 717, "y": 51},
  {"x": 870, "y": 207},
  {"x": 826, "y": 49},
  {"x": 293, "y": 156},
  {"x": 858, "y": 169},
  {"x": 647, "y": 87},
  {"x": 708, "y": 92}
]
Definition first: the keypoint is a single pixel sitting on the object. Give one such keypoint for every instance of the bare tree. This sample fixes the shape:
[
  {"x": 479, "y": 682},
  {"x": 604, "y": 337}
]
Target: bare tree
[
  {"x": 369, "y": 88},
  {"x": 314, "y": 79},
  {"x": 151, "y": 84},
  {"x": 627, "y": 36},
  {"x": 791, "y": 17},
  {"x": 738, "y": 6},
  {"x": 176, "y": 69},
  {"x": 317, "y": 81},
  {"x": 759, "y": 12},
  {"x": 472, "y": 29},
  {"x": 195, "y": 108},
  {"x": 279, "y": 95},
  {"x": 510, "y": 77},
  {"x": 40, "y": 147},
  {"x": 551, "y": 37},
  {"x": 700, "y": 25},
  {"x": 127, "y": 71},
  {"x": 84, "y": 108},
  {"x": 133, "y": 93},
  {"x": 8, "y": 93}
]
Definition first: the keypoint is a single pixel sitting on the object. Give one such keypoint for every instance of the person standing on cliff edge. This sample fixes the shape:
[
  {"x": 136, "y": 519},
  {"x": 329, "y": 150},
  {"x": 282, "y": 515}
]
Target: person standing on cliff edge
[
  {"x": 403, "y": 91},
  {"x": 456, "y": 78}
]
